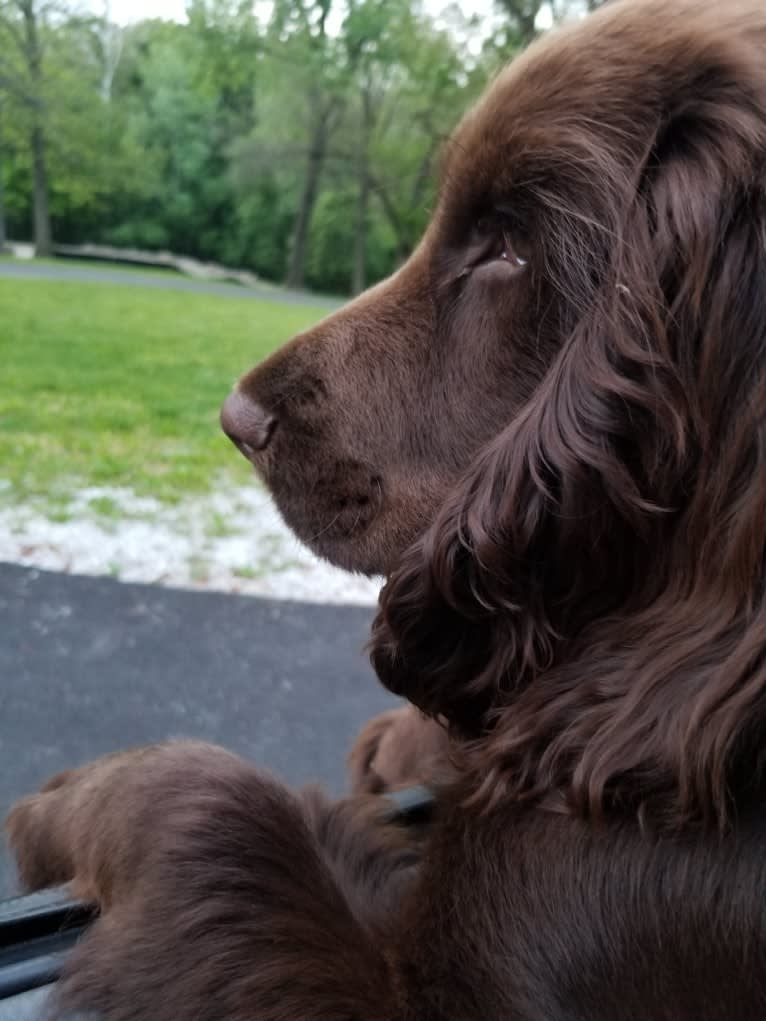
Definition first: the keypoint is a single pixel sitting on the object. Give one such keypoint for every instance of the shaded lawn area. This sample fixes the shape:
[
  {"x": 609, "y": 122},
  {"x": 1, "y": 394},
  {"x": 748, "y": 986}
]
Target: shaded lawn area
[{"x": 111, "y": 386}]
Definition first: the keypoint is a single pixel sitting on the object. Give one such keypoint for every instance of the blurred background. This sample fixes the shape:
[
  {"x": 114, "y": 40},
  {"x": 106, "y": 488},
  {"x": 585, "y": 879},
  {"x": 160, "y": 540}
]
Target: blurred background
[
  {"x": 296, "y": 139},
  {"x": 182, "y": 188}
]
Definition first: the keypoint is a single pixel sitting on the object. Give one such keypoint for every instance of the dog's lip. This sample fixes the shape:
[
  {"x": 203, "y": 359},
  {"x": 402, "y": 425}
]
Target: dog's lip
[{"x": 246, "y": 449}]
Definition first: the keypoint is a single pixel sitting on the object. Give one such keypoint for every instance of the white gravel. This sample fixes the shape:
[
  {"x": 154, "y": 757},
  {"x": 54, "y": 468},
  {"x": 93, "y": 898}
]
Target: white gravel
[{"x": 232, "y": 541}]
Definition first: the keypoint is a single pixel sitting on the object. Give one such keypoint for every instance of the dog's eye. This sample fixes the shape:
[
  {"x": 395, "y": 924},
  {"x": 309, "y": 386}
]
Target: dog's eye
[
  {"x": 499, "y": 237},
  {"x": 515, "y": 247}
]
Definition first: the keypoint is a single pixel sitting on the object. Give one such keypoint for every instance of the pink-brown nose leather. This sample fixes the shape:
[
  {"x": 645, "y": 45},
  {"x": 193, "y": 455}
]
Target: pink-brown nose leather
[{"x": 246, "y": 423}]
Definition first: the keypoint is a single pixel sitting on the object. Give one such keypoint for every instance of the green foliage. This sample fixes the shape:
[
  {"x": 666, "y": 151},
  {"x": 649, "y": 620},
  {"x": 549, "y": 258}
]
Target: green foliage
[
  {"x": 302, "y": 146},
  {"x": 260, "y": 231},
  {"x": 331, "y": 244}
]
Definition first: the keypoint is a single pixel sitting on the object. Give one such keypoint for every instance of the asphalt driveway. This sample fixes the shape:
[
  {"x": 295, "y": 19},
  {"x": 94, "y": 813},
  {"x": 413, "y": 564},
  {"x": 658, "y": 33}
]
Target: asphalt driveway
[{"x": 90, "y": 665}]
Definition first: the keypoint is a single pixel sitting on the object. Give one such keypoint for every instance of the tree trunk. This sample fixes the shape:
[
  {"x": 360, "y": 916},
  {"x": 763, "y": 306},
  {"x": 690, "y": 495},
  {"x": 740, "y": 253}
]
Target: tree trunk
[
  {"x": 395, "y": 220},
  {"x": 359, "y": 267},
  {"x": 406, "y": 238},
  {"x": 296, "y": 270},
  {"x": 3, "y": 231},
  {"x": 111, "y": 39},
  {"x": 42, "y": 222}
]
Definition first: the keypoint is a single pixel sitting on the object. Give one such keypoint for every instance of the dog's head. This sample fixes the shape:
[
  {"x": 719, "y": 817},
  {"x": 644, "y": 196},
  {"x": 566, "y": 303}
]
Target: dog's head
[{"x": 548, "y": 428}]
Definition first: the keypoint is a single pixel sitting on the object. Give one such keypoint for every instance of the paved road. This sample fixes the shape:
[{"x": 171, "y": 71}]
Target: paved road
[
  {"x": 159, "y": 281},
  {"x": 90, "y": 665}
]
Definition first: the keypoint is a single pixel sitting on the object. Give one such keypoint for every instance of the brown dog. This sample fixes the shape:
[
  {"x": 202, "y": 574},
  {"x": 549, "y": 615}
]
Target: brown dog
[{"x": 549, "y": 431}]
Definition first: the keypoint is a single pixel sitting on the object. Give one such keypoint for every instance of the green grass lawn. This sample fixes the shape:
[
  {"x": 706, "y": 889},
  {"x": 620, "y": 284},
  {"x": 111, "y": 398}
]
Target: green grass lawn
[{"x": 106, "y": 385}]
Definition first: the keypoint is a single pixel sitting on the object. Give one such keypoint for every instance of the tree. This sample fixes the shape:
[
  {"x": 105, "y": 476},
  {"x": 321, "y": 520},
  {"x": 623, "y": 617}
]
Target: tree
[
  {"x": 174, "y": 124},
  {"x": 224, "y": 47},
  {"x": 374, "y": 33},
  {"x": 3, "y": 229},
  {"x": 523, "y": 17},
  {"x": 182, "y": 95},
  {"x": 304, "y": 59},
  {"x": 302, "y": 146},
  {"x": 32, "y": 52},
  {"x": 419, "y": 110},
  {"x": 21, "y": 74},
  {"x": 108, "y": 39}
]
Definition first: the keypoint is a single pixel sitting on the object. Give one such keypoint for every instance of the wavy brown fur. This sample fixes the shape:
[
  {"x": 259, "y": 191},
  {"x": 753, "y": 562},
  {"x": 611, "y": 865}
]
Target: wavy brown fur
[
  {"x": 593, "y": 593},
  {"x": 549, "y": 430}
]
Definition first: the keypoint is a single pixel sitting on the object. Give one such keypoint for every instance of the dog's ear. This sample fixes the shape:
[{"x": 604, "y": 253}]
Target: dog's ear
[
  {"x": 568, "y": 516},
  {"x": 555, "y": 521},
  {"x": 551, "y": 527}
]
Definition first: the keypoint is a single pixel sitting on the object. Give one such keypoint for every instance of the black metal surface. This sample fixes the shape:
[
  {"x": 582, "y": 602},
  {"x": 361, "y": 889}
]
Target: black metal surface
[
  {"x": 32, "y": 973},
  {"x": 33, "y": 1005},
  {"x": 413, "y": 805},
  {"x": 36, "y": 933},
  {"x": 39, "y": 914}
]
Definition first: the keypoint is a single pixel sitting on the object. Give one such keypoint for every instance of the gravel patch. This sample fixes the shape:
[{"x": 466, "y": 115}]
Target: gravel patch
[{"x": 233, "y": 540}]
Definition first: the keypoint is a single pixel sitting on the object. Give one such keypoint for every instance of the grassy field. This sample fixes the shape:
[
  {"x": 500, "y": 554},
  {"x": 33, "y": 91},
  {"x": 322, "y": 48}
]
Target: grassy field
[{"x": 114, "y": 386}]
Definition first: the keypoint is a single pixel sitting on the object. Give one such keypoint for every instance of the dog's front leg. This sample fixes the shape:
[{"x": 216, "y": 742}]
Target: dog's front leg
[{"x": 224, "y": 894}]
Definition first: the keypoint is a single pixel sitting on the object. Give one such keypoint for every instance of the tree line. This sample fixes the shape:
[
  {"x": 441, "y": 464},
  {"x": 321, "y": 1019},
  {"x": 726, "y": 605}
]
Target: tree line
[{"x": 300, "y": 145}]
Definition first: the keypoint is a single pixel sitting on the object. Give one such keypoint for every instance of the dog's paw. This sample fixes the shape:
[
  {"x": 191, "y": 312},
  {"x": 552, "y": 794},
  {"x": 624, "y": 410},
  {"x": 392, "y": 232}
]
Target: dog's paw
[
  {"x": 83, "y": 826},
  {"x": 98, "y": 827},
  {"x": 399, "y": 748},
  {"x": 33, "y": 828}
]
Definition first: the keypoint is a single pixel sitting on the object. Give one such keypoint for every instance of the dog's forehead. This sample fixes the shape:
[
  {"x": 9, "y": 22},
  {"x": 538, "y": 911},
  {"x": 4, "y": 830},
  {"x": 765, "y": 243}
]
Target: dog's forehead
[
  {"x": 571, "y": 75},
  {"x": 606, "y": 78}
]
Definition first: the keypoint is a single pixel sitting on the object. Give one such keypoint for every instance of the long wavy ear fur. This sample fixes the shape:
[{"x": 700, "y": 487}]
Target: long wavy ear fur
[{"x": 606, "y": 550}]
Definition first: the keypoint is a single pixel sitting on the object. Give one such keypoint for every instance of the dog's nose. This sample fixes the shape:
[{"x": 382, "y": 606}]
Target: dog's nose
[{"x": 246, "y": 423}]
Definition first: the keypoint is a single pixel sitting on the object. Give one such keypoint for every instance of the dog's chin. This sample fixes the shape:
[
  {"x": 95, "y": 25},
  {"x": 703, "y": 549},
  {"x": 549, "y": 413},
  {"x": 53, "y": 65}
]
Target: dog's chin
[
  {"x": 370, "y": 543},
  {"x": 363, "y": 528},
  {"x": 374, "y": 551},
  {"x": 345, "y": 541},
  {"x": 349, "y": 555}
]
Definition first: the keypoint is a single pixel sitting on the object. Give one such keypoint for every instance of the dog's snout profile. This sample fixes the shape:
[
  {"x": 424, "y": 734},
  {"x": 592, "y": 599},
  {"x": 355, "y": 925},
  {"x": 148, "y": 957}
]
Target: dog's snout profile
[{"x": 247, "y": 424}]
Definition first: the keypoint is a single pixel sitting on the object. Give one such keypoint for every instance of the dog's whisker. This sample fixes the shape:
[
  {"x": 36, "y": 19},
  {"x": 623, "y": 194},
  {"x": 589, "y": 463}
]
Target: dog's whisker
[{"x": 326, "y": 528}]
